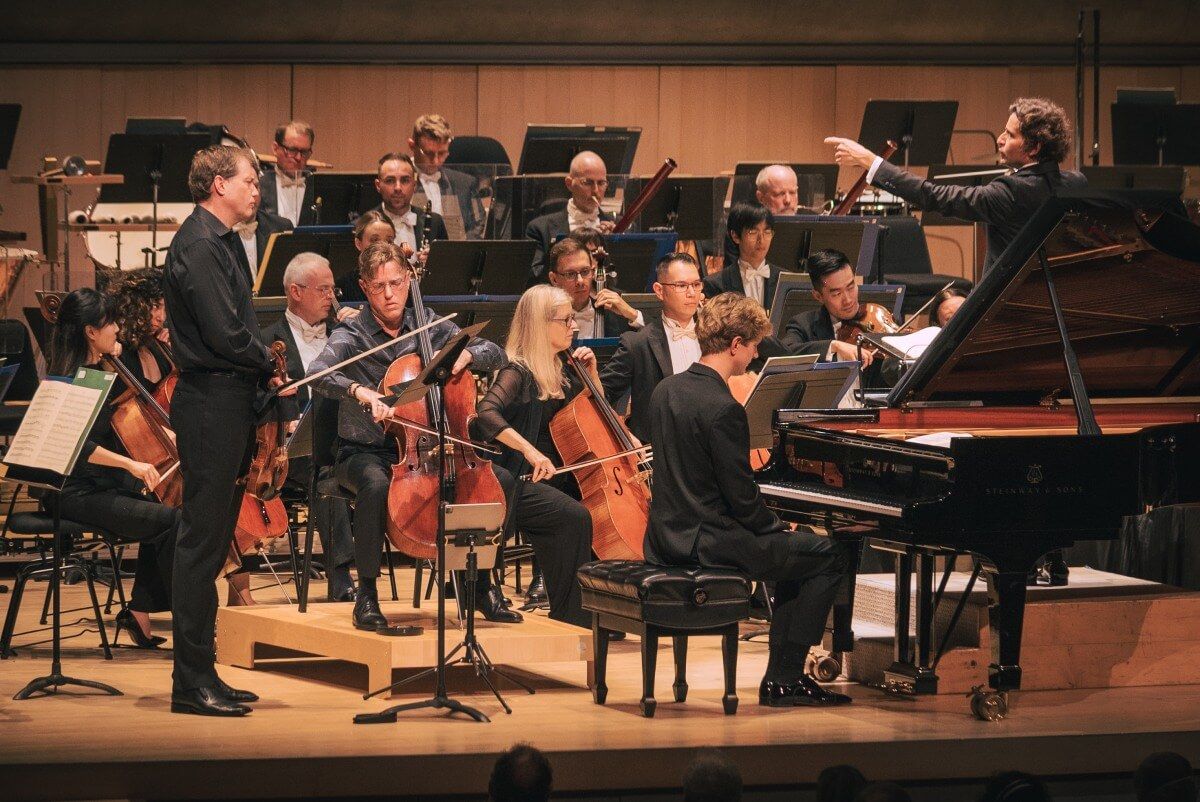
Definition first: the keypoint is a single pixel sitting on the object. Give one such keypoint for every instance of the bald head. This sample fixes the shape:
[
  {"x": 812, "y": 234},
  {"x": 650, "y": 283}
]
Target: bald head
[
  {"x": 778, "y": 189},
  {"x": 587, "y": 161},
  {"x": 587, "y": 181}
]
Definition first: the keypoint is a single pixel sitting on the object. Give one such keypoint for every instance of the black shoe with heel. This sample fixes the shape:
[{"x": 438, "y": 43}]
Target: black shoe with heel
[
  {"x": 205, "y": 702},
  {"x": 126, "y": 621}
]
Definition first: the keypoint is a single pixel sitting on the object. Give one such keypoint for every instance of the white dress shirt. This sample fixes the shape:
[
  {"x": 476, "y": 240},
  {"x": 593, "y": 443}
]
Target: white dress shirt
[
  {"x": 246, "y": 232},
  {"x": 310, "y": 340},
  {"x": 406, "y": 227},
  {"x": 754, "y": 279},
  {"x": 685, "y": 348},
  {"x": 576, "y": 218},
  {"x": 433, "y": 189},
  {"x": 289, "y": 197}
]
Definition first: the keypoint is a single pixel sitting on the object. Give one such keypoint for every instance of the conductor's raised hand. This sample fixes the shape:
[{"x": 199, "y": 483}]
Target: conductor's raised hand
[{"x": 849, "y": 153}]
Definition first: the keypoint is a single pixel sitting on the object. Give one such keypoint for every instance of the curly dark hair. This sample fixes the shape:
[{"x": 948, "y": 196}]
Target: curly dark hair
[
  {"x": 134, "y": 296},
  {"x": 1044, "y": 125}
]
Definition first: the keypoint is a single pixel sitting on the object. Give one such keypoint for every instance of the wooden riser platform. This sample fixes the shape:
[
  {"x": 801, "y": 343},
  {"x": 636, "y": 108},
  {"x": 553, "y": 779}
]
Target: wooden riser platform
[
  {"x": 1102, "y": 631},
  {"x": 252, "y": 637}
]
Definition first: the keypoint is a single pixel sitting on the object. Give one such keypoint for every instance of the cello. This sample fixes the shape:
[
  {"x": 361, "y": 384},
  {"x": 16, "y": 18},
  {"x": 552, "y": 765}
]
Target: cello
[
  {"x": 414, "y": 494},
  {"x": 263, "y": 515},
  {"x": 615, "y": 492}
]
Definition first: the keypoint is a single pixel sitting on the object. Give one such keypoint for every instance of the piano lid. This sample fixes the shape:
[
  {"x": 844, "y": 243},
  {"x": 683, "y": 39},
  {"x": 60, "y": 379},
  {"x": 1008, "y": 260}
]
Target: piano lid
[{"x": 1128, "y": 278}]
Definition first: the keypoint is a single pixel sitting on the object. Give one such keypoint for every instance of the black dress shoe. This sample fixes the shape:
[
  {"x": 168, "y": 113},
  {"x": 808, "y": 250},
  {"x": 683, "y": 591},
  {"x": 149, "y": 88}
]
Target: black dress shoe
[
  {"x": 491, "y": 605},
  {"x": 367, "y": 615},
  {"x": 205, "y": 702},
  {"x": 800, "y": 692},
  {"x": 233, "y": 694},
  {"x": 535, "y": 594},
  {"x": 126, "y": 621},
  {"x": 340, "y": 586},
  {"x": 1057, "y": 570}
]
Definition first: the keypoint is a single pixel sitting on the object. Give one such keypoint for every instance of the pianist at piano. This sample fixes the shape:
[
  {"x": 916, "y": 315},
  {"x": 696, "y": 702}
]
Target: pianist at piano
[{"x": 708, "y": 512}]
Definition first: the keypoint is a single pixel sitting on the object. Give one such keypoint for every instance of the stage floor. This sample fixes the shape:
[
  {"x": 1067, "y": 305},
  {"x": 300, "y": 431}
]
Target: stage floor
[{"x": 300, "y": 740}]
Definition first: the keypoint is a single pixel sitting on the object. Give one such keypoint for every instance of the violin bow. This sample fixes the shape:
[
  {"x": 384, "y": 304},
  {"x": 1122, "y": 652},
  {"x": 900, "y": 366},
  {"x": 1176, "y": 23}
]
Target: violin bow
[{"x": 917, "y": 313}]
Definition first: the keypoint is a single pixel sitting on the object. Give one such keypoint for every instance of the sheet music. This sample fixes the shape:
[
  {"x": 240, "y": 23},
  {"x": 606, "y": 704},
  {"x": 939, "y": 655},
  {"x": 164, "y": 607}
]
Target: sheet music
[
  {"x": 57, "y": 422},
  {"x": 913, "y": 345}
]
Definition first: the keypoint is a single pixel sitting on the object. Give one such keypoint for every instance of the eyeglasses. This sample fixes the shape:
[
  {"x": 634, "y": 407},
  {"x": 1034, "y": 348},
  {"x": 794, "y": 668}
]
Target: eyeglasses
[
  {"x": 593, "y": 183},
  {"x": 567, "y": 321},
  {"x": 756, "y": 234},
  {"x": 434, "y": 154},
  {"x": 298, "y": 153},
  {"x": 684, "y": 286},
  {"x": 573, "y": 275},
  {"x": 395, "y": 285},
  {"x": 324, "y": 289}
]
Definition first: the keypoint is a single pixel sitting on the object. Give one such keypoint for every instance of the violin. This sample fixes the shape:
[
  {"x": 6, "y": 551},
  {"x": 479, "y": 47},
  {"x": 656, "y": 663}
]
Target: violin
[
  {"x": 413, "y": 497},
  {"x": 616, "y": 491}
]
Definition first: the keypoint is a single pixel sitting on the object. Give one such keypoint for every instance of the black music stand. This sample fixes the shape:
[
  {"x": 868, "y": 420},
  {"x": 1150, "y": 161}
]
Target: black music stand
[
  {"x": 473, "y": 267},
  {"x": 922, "y": 129},
  {"x": 436, "y": 373},
  {"x": 1146, "y": 133},
  {"x": 335, "y": 243},
  {"x": 10, "y": 115},
  {"x": 550, "y": 148},
  {"x": 689, "y": 207},
  {"x": 344, "y": 196},
  {"x": 861, "y": 239},
  {"x": 138, "y": 156}
]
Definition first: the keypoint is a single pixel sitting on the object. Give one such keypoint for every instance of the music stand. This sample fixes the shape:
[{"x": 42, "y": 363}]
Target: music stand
[
  {"x": 550, "y": 148},
  {"x": 335, "y": 243},
  {"x": 138, "y": 156},
  {"x": 797, "y": 236},
  {"x": 1147, "y": 133},
  {"x": 688, "y": 207},
  {"x": 495, "y": 311},
  {"x": 922, "y": 129},
  {"x": 10, "y": 115},
  {"x": 780, "y": 384},
  {"x": 344, "y": 196},
  {"x": 469, "y": 267}
]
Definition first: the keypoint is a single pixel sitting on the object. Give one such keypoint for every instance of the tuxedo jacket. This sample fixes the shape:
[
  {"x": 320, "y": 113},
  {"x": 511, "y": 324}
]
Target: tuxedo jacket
[
  {"x": 640, "y": 362},
  {"x": 703, "y": 484},
  {"x": 809, "y": 332},
  {"x": 1004, "y": 204},
  {"x": 269, "y": 198},
  {"x": 730, "y": 280},
  {"x": 462, "y": 187},
  {"x": 545, "y": 231}
]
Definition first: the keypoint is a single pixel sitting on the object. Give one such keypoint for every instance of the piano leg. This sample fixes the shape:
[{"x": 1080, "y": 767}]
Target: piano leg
[
  {"x": 910, "y": 671},
  {"x": 1006, "y": 617},
  {"x": 842, "y": 614}
]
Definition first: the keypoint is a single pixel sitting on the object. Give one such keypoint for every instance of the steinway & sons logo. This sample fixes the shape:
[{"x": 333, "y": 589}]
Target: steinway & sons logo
[{"x": 1035, "y": 484}]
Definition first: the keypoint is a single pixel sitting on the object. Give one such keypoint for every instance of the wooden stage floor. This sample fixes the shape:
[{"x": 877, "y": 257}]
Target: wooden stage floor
[{"x": 300, "y": 740}]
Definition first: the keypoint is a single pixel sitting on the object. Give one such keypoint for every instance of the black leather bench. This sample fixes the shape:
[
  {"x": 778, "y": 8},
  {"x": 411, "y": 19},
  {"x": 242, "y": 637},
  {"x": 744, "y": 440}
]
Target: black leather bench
[{"x": 652, "y": 601}]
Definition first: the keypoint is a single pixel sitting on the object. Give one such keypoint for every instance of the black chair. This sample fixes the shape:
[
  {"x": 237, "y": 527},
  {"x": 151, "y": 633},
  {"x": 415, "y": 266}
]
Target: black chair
[
  {"x": 479, "y": 150},
  {"x": 653, "y": 601},
  {"x": 906, "y": 255}
]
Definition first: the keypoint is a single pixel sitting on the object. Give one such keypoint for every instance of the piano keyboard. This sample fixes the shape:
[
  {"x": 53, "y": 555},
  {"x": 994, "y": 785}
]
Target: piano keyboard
[{"x": 832, "y": 497}]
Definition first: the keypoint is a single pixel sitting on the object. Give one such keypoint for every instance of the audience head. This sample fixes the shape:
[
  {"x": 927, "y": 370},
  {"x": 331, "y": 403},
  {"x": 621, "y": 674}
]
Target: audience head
[
  {"x": 834, "y": 283},
  {"x": 677, "y": 284},
  {"x": 839, "y": 784},
  {"x": 430, "y": 142},
  {"x": 1165, "y": 777},
  {"x": 777, "y": 188},
  {"x": 384, "y": 276},
  {"x": 138, "y": 305},
  {"x": 1014, "y": 786},
  {"x": 308, "y": 285},
  {"x": 371, "y": 227},
  {"x": 396, "y": 181},
  {"x": 712, "y": 777},
  {"x": 569, "y": 266},
  {"x": 944, "y": 305},
  {"x": 1037, "y": 130},
  {"x": 84, "y": 330},
  {"x": 883, "y": 792},
  {"x": 730, "y": 327},
  {"x": 293, "y": 146},
  {"x": 223, "y": 180},
  {"x": 752, "y": 228},
  {"x": 587, "y": 180},
  {"x": 522, "y": 774}
]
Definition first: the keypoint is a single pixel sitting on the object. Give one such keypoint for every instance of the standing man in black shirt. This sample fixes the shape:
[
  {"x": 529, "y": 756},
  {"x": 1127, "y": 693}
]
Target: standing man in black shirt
[{"x": 222, "y": 365}]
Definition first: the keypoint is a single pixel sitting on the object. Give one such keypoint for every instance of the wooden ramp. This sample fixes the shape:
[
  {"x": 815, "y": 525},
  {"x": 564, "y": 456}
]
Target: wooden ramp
[
  {"x": 1102, "y": 631},
  {"x": 256, "y": 637}
]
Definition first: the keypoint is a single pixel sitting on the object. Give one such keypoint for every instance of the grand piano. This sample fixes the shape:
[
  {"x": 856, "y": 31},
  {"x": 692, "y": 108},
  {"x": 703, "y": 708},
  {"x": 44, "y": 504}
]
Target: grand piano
[{"x": 1070, "y": 380}]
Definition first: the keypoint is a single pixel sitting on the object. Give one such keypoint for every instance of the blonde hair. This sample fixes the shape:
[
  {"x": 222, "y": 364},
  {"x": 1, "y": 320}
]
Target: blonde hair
[
  {"x": 730, "y": 315},
  {"x": 433, "y": 126},
  {"x": 528, "y": 341}
]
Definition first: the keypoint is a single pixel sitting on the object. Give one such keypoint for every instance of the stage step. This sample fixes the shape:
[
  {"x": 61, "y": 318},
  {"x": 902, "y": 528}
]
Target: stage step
[{"x": 1102, "y": 631}]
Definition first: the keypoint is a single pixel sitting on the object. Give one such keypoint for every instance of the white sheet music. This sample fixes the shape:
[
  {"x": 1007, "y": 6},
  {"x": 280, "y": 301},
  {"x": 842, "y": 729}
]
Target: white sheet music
[
  {"x": 913, "y": 345},
  {"x": 54, "y": 427}
]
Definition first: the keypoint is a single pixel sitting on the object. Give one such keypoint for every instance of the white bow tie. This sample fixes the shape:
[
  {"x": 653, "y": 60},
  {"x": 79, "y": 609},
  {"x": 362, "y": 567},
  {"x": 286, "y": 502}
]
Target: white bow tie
[
  {"x": 678, "y": 332},
  {"x": 311, "y": 334},
  {"x": 762, "y": 271},
  {"x": 288, "y": 182}
]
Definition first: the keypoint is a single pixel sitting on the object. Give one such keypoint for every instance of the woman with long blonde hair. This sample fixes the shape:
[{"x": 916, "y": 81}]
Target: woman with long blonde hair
[{"x": 515, "y": 414}]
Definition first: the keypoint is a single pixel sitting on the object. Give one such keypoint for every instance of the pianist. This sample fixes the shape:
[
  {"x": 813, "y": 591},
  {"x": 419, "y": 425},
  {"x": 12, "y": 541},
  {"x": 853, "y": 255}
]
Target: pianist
[{"x": 707, "y": 509}]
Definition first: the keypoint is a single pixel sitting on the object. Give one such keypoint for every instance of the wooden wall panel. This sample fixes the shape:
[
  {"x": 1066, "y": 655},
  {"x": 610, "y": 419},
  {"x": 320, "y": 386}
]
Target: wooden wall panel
[
  {"x": 361, "y": 112},
  {"x": 512, "y": 97},
  {"x": 713, "y": 117}
]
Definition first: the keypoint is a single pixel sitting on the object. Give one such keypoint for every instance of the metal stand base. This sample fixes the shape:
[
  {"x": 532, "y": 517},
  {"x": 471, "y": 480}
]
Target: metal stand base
[{"x": 50, "y": 684}]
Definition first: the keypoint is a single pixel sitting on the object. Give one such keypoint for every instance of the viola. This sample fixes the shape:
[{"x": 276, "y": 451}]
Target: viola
[
  {"x": 413, "y": 497},
  {"x": 871, "y": 318},
  {"x": 616, "y": 491}
]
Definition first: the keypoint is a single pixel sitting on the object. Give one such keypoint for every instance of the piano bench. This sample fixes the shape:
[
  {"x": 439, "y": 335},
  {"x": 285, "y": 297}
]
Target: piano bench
[{"x": 653, "y": 601}]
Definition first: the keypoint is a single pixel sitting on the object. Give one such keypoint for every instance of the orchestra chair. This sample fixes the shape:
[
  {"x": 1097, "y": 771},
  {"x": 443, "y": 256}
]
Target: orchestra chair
[
  {"x": 76, "y": 554},
  {"x": 479, "y": 150},
  {"x": 677, "y": 602},
  {"x": 322, "y": 486}
]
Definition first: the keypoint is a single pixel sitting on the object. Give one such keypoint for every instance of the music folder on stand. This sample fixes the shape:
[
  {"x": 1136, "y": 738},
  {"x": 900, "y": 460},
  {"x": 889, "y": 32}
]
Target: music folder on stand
[{"x": 485, "y": 520}]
